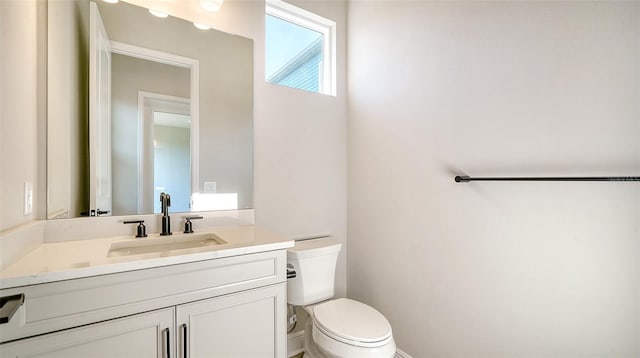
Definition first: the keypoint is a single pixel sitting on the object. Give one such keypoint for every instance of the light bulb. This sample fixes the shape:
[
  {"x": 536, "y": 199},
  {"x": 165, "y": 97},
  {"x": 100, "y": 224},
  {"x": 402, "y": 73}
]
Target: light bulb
[
  {"x": 158, "y": 13},
  {"x": 201, "y": 26},
  {"x": 211, "y": 5}
]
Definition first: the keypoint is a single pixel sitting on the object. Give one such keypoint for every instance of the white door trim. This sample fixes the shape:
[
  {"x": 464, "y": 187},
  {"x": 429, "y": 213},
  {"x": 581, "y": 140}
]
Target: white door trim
[{"x": 100, "y": 177}]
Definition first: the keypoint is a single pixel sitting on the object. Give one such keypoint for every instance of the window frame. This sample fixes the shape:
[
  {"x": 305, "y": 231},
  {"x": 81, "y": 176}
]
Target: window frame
[{"x": 314, "y": 22}]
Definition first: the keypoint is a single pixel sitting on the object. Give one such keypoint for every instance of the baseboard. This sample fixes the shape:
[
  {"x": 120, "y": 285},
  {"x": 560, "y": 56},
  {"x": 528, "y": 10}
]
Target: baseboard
[
  {"x": 295, "y": 345},
  {"x": 401, "y": 354}
]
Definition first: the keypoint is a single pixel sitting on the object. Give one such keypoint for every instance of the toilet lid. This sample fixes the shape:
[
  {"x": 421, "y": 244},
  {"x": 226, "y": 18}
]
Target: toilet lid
[{"x": 352, "y": 320}]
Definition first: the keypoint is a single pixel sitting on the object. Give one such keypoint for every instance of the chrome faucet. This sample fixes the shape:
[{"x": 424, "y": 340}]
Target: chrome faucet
[{"x": 165, "y": 203}]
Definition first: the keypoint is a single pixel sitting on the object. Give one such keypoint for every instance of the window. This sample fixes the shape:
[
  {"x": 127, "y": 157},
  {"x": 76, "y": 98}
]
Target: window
[{"x": 300, "y": 48}]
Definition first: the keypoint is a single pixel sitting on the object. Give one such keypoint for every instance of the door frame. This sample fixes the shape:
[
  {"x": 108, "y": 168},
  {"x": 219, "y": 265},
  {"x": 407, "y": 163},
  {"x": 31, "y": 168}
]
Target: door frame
[{"x": 100, "y": 170}]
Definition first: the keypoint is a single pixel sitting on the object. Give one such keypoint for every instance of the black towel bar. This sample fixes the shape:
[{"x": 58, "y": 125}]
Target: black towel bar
[{"x": 466, "y": 179}]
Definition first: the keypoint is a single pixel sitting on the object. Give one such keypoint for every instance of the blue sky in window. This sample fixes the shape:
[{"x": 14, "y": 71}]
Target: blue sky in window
[{"x": 284, "y": 41}]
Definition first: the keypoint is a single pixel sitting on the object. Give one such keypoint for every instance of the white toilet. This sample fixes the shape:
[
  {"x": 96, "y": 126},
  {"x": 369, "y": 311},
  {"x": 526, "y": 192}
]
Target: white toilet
[{"x": 340, "y": 328}]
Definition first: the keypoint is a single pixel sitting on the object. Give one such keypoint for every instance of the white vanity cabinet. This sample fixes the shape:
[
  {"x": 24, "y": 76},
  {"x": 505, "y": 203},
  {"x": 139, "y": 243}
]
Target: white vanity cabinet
[{"x": 227, "y": 307}]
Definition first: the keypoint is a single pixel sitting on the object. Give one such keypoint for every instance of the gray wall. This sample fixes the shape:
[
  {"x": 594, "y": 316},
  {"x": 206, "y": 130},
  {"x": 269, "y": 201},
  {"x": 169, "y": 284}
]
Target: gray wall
[
  {"x": 128, "y": 76},
  {"x": 496, "y": 88}
]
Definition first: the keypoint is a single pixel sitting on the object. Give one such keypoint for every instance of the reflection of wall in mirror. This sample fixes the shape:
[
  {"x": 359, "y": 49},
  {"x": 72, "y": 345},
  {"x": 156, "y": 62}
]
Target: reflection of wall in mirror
[
  {"x": 171, "y": 166},
  {"x": 226, "y": 90},
  {"x": 67, "y": 108},
  {"x": 130, "y": 75}
]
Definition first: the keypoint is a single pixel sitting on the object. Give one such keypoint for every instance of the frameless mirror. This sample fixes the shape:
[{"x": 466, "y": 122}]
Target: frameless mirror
[{"x": 139, "y": 105}]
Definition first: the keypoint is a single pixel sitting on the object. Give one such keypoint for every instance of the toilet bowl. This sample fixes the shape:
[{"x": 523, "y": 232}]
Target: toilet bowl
[
  {"x": 337, "y": 328},
  {"x": 348, "y": 328}
]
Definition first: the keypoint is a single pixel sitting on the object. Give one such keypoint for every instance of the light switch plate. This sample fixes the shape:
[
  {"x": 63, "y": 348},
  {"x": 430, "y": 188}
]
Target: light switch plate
[{"x": 28, "y": 198}]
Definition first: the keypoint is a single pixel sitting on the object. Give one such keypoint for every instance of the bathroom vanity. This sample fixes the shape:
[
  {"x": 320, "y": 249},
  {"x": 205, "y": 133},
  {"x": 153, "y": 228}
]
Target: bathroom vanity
[{"x": 219, "y": 300}]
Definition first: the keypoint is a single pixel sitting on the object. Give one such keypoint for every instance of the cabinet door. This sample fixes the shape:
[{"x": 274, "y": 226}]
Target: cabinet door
[
  {"x": 142, "y": 335},
  {"x": 247, "y": 324}
]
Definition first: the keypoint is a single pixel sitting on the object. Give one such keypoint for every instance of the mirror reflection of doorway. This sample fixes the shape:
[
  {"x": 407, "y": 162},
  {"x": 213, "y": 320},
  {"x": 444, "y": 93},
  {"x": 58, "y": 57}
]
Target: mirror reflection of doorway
[
  {"x": 172, "y": 159},
  {"x": 165, "y": 147}
]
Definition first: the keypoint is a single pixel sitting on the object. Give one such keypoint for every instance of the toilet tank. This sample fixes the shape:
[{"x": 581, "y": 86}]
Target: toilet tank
[{"x": 314, "y": 262}]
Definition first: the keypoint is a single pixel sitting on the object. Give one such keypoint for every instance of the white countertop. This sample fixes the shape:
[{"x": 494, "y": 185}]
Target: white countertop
[{"x": 83, "y": 258}]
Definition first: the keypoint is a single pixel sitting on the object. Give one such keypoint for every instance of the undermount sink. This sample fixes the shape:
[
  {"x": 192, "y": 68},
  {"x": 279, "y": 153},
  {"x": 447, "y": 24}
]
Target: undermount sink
[{"x": 162, "y": 244}]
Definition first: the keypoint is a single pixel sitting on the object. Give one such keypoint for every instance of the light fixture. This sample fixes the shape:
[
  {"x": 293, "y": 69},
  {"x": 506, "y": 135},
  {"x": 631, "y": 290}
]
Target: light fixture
[
  {"x": 111, "y": 1},
  {"x": 201, "y": 26},
  {"x": 158, "y": 13},
  {"x": 211, "y": 5}
]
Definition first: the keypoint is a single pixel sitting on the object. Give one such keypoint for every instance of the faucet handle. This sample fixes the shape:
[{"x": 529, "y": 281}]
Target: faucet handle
[
  {"x": 188, "y": 226},
  {"x": 142, "y": 230}
]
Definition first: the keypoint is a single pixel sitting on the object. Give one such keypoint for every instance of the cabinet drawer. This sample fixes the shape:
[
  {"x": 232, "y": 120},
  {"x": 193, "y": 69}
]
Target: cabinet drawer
[
  {"x": 66, "y": 304},
  {"x": 148, "y": 334}
]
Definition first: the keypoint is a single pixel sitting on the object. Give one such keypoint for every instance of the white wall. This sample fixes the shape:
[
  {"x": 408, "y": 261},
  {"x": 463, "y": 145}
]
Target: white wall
[
  {"x": 496, "y": 88},
  {"x": 300, "y": 150},
  {"x": 21, "y": 109}
]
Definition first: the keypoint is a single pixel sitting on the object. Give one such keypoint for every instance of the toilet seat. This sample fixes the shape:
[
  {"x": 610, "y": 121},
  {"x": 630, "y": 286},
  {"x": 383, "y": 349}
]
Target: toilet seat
[{"x": 352, "y": 322}]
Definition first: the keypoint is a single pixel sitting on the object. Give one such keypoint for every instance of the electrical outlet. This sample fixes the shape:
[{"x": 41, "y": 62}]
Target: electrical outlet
[
  {"x": 210, "y": 187},
  {"x": 28, "y": 198}
]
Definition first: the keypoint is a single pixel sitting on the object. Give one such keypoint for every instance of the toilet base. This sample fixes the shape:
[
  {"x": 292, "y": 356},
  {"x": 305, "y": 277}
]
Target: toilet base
[{"x": 310, "y": 348}]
